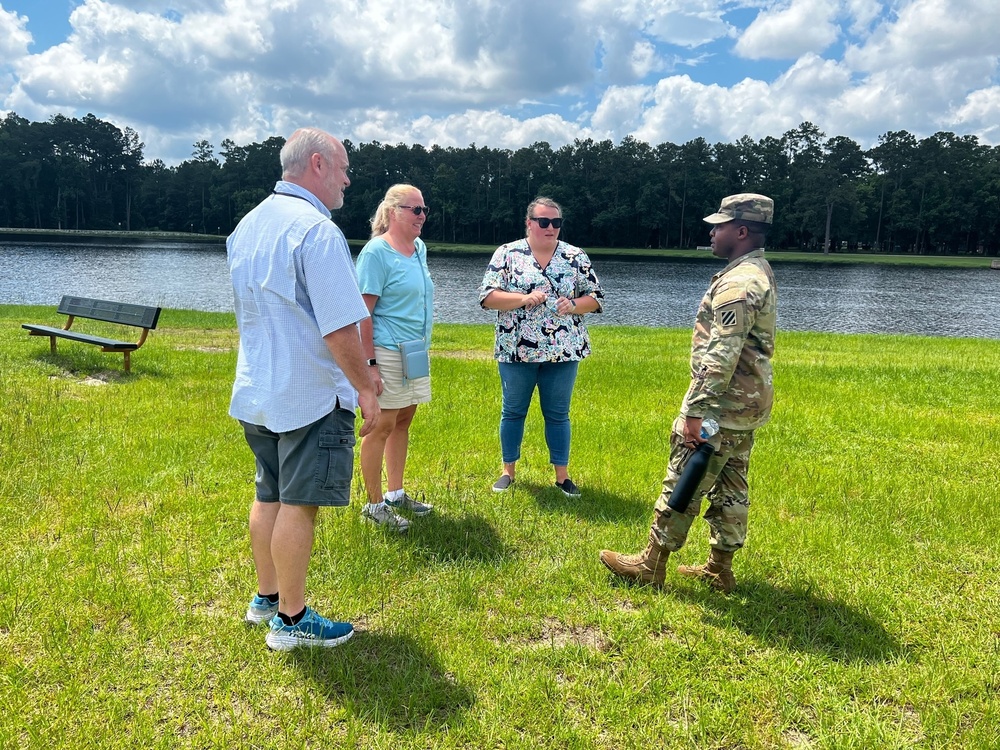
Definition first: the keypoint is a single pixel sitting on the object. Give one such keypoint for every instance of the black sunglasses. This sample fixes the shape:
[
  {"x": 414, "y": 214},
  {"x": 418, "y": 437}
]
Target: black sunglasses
[
  {"x": 544, "y": 221},
  {"x": 417, "y": 209}
]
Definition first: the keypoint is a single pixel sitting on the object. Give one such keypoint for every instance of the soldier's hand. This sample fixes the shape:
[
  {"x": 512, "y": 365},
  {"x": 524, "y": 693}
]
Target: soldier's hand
[{"x": 692, "y": 432}]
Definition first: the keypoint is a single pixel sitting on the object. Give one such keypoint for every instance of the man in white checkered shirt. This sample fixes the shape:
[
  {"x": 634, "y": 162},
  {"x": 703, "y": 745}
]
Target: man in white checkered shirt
[{"x": 300, "y": 375}]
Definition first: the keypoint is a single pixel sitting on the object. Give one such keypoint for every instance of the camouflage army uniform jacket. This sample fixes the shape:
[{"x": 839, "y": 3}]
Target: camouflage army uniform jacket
[{"x": 732, "y": 346}]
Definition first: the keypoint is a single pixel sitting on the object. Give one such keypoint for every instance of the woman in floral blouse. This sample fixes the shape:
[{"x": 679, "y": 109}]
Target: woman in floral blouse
[{"x": 541, "y": 288}]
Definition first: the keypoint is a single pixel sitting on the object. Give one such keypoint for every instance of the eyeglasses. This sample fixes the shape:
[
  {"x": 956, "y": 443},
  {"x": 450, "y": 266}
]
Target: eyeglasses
[
  {"x": 418, "y": 209},
  {"x": 544, "y": 221}
]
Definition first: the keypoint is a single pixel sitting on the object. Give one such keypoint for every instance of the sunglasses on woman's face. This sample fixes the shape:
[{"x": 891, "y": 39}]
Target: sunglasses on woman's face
[
  {"x": 544, "y": 221},
  {"x": 417, "y": 209}
]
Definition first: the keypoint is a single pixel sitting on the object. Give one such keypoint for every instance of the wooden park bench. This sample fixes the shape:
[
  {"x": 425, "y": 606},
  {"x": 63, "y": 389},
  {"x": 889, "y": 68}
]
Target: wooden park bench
[{"x": 99, "y": 309}]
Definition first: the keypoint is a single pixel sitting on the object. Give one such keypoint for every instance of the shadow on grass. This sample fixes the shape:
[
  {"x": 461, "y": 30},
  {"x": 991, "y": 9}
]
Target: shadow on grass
[
  {"x": 78, "y": 365},
  {"x": 443, "y": 538},
  {"x": 799, "y": 619},
  {"x": 386, "y": 678},
  {"x": 592, "y": 505}
]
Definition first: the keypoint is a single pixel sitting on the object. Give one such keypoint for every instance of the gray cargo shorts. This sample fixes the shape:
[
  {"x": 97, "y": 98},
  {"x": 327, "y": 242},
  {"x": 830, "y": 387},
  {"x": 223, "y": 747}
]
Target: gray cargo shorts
[{"x": 312, "y": 465}]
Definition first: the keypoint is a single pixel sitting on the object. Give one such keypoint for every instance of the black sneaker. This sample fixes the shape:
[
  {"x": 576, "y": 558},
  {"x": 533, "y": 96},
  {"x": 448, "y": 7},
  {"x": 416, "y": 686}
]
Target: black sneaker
[
  {"x": 568, "y": 488},
  {"x": 503, "y": 483}
]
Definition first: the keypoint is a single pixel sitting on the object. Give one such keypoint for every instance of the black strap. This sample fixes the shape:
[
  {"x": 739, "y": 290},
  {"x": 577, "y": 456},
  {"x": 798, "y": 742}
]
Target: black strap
[
  {"x": 300, "y": 197},
  {"x": 293, "y": 195}
]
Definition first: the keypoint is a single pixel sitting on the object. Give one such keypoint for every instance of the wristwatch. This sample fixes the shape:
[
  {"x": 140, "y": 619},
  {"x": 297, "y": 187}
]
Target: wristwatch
[{"x": 372, "y": 362}]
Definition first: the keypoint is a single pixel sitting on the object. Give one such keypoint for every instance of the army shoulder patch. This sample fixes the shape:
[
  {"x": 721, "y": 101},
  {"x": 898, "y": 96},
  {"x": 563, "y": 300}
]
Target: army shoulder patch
[{"x": 729, "y": 306}]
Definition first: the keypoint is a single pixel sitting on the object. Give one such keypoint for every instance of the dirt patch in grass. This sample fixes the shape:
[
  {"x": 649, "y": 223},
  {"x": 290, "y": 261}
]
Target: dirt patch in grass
[
  {"x": 797, "y": 739},
  {"x": 207, "y": 349},
  {"x": 557, "y": 634},
  {"x": 100, "y": 378}
]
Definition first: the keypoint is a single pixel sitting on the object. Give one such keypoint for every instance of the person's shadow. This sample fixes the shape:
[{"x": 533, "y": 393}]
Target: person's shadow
[
  {"x": 389, "y": 678},
  {"x": 439, "y": 538},
  {"x": 592, "y": 505},
  {"x": 796, "y": 619}
]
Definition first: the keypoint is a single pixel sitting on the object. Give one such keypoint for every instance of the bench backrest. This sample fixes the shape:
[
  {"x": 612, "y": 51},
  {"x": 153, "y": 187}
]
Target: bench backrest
[{"x": 110, "y": 312}]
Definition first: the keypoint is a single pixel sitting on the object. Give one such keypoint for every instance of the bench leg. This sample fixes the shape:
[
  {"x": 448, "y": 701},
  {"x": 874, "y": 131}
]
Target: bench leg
[
  {"x": 128, "y": 361},
  {"x": 52, "y": 344}
]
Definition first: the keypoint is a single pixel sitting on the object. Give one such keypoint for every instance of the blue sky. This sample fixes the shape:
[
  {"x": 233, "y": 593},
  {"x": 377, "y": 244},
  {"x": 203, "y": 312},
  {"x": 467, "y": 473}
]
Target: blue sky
[{"x": 504, "y": 73}]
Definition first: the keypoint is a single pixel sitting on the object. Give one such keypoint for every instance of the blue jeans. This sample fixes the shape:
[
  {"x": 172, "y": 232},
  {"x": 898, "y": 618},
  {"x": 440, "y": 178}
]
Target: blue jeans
[{"x": 555, "y": 390}]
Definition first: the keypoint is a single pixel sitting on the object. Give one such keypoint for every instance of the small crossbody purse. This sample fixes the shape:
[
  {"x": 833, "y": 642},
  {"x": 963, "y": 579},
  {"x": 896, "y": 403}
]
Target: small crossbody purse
[{"x": 416, "y": 358}]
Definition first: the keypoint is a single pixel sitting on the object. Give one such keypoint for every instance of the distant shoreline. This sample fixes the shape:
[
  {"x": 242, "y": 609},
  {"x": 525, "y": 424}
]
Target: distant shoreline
[
  {"x": 929, "y": 261},
  {"x": 37, "y": 234}
]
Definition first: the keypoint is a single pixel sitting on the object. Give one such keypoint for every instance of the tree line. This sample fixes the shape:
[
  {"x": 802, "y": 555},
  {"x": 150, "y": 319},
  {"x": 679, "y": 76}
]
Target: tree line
[{"x": 937, "y": 195}]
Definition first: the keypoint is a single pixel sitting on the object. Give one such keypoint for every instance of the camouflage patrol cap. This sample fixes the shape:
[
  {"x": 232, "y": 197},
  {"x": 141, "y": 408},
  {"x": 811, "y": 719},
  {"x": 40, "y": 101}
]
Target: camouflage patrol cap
[{"x": 745, "y": 206}]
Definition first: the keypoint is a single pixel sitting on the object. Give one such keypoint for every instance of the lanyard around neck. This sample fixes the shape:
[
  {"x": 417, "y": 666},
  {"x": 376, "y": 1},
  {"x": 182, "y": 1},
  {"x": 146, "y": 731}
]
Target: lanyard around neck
[{"x": 293, "y": 195}]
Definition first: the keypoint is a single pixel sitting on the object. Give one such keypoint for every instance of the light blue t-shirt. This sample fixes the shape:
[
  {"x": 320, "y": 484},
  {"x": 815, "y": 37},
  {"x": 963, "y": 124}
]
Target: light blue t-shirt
[
  {"x": 293, "y": 283},
  {"x": 405, "y": 307}
]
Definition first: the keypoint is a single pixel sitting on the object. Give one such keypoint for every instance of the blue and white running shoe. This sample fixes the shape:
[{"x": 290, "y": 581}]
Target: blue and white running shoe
[{"x": 312, "y": 630}]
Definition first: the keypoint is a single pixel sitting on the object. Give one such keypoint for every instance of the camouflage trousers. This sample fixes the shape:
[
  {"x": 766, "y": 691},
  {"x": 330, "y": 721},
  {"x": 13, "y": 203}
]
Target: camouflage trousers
[{"x": 725, "y": 484}]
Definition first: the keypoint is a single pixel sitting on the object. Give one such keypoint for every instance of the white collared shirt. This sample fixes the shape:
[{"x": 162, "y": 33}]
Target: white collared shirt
[{"x": 293, "y": 283}]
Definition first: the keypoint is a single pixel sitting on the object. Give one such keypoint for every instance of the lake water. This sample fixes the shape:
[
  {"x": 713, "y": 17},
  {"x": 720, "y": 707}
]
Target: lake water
[{"x": 812, "y": 296}]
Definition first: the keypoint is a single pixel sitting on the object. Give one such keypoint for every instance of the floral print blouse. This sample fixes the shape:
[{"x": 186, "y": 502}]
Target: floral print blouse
[{"x": 541, "y": 334}]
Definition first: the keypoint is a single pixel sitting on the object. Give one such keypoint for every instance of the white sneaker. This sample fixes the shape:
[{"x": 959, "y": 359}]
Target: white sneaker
[
  {"x": 381, "y": 514},
  {"x": 416, "y": 507}
]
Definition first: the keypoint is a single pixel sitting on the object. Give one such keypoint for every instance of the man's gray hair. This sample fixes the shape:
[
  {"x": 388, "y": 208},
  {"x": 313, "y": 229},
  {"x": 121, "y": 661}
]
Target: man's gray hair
[{"x": 302, "y": 144}]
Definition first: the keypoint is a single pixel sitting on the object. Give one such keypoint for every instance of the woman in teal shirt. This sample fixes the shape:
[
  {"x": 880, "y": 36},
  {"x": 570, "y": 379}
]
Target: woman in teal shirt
[{"x": 397, "y": 287}]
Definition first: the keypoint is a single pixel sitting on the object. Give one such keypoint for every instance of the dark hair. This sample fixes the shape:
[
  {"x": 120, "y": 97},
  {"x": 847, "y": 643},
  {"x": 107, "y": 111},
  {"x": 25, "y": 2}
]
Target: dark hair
[{"x": 757, "y": 228}]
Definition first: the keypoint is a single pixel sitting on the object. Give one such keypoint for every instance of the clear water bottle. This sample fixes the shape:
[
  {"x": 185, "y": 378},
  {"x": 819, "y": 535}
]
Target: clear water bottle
[
  {"x": 709, "y": 428},
  {"x": 694, "y": 470}
]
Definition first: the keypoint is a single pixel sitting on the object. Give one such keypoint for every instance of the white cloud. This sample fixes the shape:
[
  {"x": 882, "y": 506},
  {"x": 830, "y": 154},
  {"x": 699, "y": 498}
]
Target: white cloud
[
  {"x": 863, "y": 13},
  {"x": 14, "y": 36},
  {"x": 635, "y": 37},
  {"x": 621, "y": 109},
  {"x": 507, "y": 74},
  {"x": 249, "y": 65},
  {"x": 496, "y": 130},
  {"x": 813, "y": 79},
  {"x": 790, "y": 31},
  {"x": 679, "y": 109},
  {"x": 980, "y": 114},
  {"x": 926, "y": 33},
  {"x": 685, "y": 23},
  {"x": 644, "y": 60},
  {"x": 689, "y": 28}
]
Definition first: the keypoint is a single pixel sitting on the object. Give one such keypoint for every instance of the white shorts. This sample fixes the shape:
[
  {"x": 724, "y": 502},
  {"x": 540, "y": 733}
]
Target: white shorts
[{"x": 396, "y": 395}]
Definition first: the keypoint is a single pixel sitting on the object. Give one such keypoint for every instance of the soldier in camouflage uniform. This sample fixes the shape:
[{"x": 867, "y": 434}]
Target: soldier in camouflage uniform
[{"x": 730, "y": 382}]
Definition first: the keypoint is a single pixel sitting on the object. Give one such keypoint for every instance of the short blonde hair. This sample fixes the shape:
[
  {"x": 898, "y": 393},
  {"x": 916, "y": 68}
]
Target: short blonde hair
[{"x": 393, "y": 197}]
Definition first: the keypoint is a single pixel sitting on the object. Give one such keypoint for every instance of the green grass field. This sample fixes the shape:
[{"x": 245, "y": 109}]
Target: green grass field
[{"x": 867, "y": 613}]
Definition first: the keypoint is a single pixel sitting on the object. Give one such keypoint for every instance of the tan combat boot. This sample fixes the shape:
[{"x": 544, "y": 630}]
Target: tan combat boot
[
  {"x": 648, "y": 566},
  {"x": 717, "y": 572}
]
